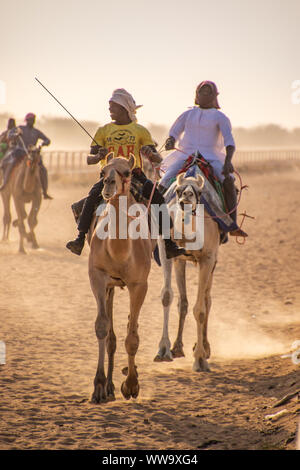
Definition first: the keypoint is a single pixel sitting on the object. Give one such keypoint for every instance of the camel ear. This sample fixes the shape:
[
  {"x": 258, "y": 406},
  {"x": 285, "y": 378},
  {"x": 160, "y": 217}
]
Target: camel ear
[
  {"x": 109, "y": 157},
  {"x": 131, "y": 161},
  {"x": 180, "y": 179},
  {"x": 200, "y": 181}
]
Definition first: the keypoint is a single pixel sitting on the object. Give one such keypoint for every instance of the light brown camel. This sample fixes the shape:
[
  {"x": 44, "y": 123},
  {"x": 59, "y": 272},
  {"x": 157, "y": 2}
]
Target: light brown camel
[
  {"x": 118, "y": 260},
  {"x": 188, "y": 191},
  {"x": 25, "y": 187}
]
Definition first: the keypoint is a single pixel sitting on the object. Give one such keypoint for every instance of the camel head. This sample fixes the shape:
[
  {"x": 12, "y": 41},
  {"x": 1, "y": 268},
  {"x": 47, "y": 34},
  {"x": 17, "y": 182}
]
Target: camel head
[
  {"x": 116, "y": 176},
  {"x": 188, "y": 190}
]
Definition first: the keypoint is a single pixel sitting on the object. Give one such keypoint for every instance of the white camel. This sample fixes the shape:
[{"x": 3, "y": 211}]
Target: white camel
[{"x": 188, "y": 191}]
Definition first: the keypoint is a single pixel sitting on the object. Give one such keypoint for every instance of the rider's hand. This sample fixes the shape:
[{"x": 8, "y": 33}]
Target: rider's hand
[
  {"x": 102, "y": 153},
  {"x": 151, "y": 153},
  {"x": 147, "y": 151},
  {"x": 170, "y": 143},
  {"x": 227, "y": 168},
  {"x": 93, "y": 159}
]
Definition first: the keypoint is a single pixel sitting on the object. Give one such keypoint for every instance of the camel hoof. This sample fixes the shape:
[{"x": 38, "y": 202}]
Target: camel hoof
[
  {"x": 164, "y": 355},
  {"x": 130, "y": 391},
  {"x": 110, "y": 392},
  {"x": 177, "y": 352},
  {"x": 163, "y": 358},
  {"x": 99, "y": 395},
  {"x": 201, "y": 365}
]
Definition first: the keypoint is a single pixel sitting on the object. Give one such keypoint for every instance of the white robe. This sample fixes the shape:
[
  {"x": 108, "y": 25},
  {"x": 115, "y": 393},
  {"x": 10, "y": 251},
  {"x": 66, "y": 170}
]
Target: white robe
[{"x": 205, "y": 130}]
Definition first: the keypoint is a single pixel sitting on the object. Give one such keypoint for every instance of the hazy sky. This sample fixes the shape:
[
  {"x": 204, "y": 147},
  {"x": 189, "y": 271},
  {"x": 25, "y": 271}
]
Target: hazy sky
[{"x": 159, "y": 50}]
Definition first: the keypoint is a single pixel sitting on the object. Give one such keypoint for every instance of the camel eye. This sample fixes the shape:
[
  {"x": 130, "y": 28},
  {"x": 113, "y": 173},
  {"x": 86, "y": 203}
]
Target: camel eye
[{"x": 126, "y": 173}]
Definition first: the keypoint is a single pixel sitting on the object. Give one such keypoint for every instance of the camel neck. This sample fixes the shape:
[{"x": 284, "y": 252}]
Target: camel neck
[{"x": 119, "y": 245}]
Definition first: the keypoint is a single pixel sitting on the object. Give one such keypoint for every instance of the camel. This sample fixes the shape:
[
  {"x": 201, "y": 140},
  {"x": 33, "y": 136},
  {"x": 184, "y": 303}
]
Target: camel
[
  {"x": 25, "y": 187},
  {"x": 117, "y": 261},
  {"x": 188, "y": 191}
]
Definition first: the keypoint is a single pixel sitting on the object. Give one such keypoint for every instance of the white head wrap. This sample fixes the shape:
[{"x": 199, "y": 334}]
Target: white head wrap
[{"x": 122, "y": 97}]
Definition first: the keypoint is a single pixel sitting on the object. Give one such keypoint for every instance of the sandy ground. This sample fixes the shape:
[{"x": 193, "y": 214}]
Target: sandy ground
[{"x": 47, "y": 322}]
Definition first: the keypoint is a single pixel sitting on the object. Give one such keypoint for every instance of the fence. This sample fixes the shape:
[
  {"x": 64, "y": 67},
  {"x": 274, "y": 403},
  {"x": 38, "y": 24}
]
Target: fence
[{"x": 75, "y": 162}]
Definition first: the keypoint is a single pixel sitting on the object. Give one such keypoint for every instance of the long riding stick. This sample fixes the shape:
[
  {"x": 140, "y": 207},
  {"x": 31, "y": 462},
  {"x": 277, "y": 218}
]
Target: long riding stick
[{"x": 66, "y": 110}]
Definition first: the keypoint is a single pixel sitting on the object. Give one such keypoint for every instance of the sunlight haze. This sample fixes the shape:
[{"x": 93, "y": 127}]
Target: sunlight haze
[{"x": 158, "y": 51}]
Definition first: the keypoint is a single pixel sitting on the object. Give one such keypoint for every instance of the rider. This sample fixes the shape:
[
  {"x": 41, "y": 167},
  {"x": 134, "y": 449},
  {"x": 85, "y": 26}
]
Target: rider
[
  {"x": 207, "y": 130},
  {"x": 30, "y": 136},
  {"x": 11, "y": 124},
  {"x": 19, "y": 140},
  {"x": 123, "y": 136},
  {"x": 14, "y": 154}
]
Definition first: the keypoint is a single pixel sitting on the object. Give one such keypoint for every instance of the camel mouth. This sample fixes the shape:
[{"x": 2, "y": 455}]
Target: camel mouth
[
  {"x": 186, "y": 202},
  {"x": 107, "y": 196}
]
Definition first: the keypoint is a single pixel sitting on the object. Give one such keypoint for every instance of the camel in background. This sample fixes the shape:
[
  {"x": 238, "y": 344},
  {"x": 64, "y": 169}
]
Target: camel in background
[
  {"x": 188, "y": 192},
  {"x": 117, "y": 261},
  {"x": 25, "y": 187}
]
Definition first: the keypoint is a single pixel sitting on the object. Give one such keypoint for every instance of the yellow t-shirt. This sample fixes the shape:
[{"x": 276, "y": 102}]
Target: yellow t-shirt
[{"x": 123, "y": 140}]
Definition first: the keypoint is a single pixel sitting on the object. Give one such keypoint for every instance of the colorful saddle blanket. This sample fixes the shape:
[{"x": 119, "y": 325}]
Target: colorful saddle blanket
[{"x": 211, "y": 197}]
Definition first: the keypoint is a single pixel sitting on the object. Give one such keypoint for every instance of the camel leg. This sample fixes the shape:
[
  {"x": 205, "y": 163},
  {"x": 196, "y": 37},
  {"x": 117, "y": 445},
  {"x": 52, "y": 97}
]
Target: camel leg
[
  {"x": 137, "y": 293},
  {"x": 6, "y": 215},
  {"x": 98, "y": 281},
  {"x": 111, "y": 344},
  {"x": 32, "y": 219},
  {"x": 21, "y": 214},
  {"x": 164, "y": 352},
  {"x": 200, "y": 311},
  {"x": 180, "y": 269},
  {"x": 208, "y": 306}
]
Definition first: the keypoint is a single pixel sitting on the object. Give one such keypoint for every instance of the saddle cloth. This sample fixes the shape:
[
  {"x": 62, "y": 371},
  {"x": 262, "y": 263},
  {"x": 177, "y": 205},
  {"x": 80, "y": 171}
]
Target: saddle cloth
[{"x": 213, "y": 202}]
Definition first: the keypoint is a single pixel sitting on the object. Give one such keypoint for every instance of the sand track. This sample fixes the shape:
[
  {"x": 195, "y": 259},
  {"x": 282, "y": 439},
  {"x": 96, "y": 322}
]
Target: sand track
[{"x": 47, "y": 321}]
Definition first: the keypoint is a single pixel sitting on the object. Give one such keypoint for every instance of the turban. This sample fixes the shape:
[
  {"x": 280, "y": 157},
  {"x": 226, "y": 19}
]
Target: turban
[
  {"x": 207, "y": 101},
  {"x": 123, "y": 98},
  {"x": 29, "y": 116}
]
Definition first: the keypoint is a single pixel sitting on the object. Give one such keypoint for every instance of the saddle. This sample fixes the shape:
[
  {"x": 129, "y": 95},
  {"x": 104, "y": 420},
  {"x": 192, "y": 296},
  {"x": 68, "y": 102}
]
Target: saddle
[{"x": 212, "y": 195}]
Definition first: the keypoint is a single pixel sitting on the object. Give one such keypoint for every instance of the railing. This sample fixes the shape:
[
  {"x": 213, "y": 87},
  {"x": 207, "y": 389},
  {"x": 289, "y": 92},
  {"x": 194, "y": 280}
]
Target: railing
[{"x": 75, "y": 161}]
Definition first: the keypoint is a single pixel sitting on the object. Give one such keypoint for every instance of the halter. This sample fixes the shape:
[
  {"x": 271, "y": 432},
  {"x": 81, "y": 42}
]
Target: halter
[
  {"x": 196, "y": 194},
  {"x": 124, "y": 180}
]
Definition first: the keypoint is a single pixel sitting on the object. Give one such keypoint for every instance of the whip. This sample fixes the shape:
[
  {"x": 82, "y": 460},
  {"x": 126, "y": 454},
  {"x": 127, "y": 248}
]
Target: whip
[{"x": 51, "y": 94}]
